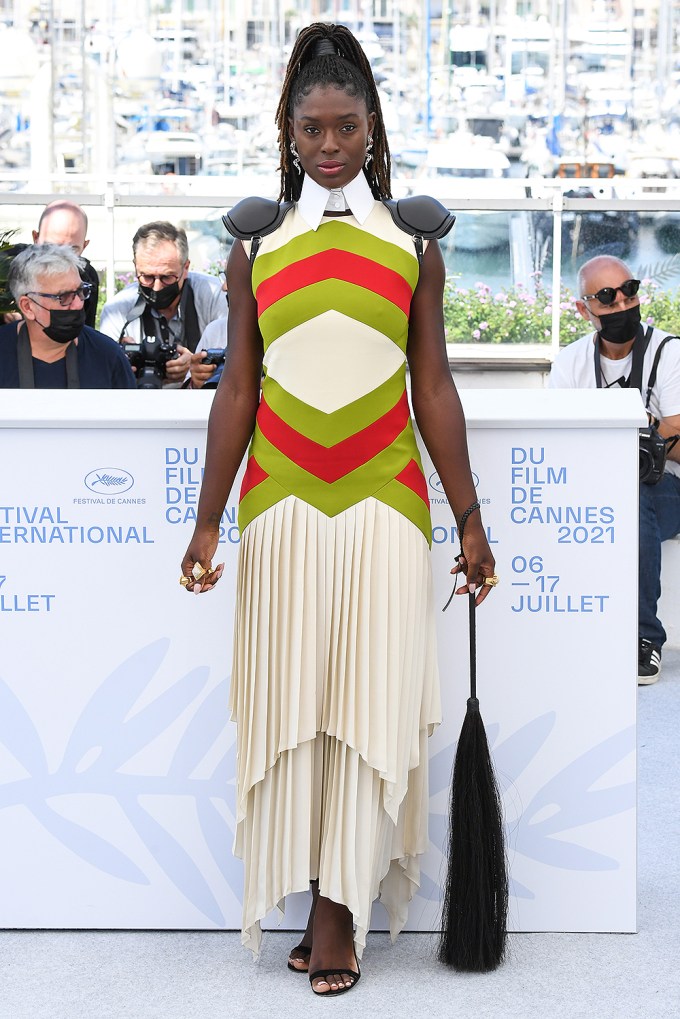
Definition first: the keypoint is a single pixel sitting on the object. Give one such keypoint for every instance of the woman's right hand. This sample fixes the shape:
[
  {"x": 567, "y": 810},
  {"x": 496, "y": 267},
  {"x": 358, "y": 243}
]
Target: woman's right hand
[{"x": 200, "y": 553}]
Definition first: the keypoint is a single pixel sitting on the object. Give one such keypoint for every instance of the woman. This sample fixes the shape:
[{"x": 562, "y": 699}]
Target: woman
[{"x": 334, "y": 687}]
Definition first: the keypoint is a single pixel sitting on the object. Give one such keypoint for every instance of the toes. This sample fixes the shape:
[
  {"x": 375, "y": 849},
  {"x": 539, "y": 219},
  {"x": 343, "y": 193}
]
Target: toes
[{"x": 333, "y": 982}]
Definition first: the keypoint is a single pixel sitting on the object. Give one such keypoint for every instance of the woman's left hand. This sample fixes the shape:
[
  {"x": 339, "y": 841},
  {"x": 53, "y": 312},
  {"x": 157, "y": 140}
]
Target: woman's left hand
[{"x": 478, "y": 565}]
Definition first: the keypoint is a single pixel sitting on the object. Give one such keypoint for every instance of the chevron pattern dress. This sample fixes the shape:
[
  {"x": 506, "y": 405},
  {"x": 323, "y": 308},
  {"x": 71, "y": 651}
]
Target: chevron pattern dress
[{"x": 335, "y": 687}]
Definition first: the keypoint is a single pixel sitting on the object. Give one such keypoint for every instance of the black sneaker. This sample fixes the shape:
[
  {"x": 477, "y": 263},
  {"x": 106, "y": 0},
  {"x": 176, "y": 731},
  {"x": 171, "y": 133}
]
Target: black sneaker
[{"x": 649, "y": 662}]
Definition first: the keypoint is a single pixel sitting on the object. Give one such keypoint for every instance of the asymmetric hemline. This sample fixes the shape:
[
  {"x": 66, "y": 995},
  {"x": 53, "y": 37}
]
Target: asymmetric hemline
[{"x": 335, "y": 692}]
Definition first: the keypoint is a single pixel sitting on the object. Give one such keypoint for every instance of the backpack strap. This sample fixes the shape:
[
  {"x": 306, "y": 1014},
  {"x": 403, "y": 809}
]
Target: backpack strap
[
  {"x": 421, "y": 216},
  {"x": 254, "y": 218}
]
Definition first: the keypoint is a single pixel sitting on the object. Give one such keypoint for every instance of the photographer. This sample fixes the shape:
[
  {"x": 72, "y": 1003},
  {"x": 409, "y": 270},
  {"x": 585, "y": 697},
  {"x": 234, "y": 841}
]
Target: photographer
[
  {"x": 208, "y": 359},
  {"x": 618, "y": 350},
  {"x": 52, "y": 347},
  {"x": 162, "y": 317}
]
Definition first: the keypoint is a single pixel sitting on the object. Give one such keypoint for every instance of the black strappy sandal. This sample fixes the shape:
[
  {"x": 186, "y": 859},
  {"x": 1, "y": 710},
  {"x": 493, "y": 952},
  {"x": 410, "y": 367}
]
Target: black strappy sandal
[
  {"x": 306, "y": 953},
  {"x": 323, "y": 973}
]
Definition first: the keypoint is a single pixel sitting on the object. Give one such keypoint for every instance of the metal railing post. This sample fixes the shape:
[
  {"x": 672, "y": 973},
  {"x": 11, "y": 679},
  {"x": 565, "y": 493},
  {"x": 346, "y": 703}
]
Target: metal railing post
[
  {"x": 557, "y": 208},
  {"x": 110, "y": 207}
]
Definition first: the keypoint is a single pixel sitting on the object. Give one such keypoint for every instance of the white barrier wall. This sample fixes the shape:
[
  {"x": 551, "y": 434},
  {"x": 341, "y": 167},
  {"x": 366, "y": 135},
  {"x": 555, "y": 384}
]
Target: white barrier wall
[{"x": 116, "y": 753}]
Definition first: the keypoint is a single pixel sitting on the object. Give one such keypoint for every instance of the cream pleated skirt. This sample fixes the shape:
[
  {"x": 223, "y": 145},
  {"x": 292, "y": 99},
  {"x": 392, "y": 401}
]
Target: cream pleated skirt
[{"x": 334, "y": 692}]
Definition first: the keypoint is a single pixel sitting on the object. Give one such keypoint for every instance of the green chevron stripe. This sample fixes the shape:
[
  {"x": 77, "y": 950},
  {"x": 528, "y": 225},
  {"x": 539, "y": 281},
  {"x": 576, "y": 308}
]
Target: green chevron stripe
[
  {"x": 410, "y": 505},
  {"x": 394, "y": 494},
  {"x": 329, "y": 429},
  {"x": 347, "y": 299},
  {"x": 336, "y": 235},
  {"x": 352, "y": 488},
  {"x": 259, "y": 499}
]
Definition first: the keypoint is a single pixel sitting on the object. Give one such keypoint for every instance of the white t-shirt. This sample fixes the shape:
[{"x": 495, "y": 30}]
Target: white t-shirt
[
  {"x": 214, "y": 335},
  {"x": 574, "y": 368}
]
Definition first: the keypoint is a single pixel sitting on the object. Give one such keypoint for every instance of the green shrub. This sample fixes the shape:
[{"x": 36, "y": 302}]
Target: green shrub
[{"x": 519, "y": 314}]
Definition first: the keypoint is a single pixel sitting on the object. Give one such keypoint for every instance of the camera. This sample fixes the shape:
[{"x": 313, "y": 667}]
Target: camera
[
  {"x": 653, "y": 450},
  {"x": 148, "y": 360},
  {"x": 214, "y": 355}
]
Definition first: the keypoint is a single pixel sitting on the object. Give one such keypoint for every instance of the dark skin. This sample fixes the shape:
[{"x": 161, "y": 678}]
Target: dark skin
[{"x": 331, "y": 131}]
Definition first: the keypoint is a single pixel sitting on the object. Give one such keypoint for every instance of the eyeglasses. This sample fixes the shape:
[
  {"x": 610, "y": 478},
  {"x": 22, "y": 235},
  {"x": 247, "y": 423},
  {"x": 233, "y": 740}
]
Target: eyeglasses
[
  {"x": 66, "y": 297},
  {"x": 607, "y": 295},
  {"x": 147, "y": 279}
]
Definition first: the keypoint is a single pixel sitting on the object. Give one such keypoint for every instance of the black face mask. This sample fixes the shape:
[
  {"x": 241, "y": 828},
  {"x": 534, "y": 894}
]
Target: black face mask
[
  {"x": 162, "y": 298},
  {"x": 620, "y": 326},
  {"x": 65, "y": 325}
]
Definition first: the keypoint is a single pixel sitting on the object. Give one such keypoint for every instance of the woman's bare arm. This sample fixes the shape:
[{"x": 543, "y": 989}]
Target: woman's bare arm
[
  {"x": 232, "y": 417},
  {"x": 439, "y": 413}
]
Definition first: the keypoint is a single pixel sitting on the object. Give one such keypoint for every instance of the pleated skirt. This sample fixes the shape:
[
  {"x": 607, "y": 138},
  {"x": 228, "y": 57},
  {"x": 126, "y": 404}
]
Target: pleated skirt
[{"x": 334, "y": 691}]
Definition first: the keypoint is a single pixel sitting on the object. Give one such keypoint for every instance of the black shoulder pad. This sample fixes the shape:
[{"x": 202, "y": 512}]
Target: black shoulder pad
[
  {"x": 421, "y": 215},
  {"x": 255, "y": 217}
]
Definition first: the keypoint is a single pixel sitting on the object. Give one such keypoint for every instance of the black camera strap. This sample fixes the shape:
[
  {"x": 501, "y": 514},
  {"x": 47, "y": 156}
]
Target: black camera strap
[
  {"x": 652, "y": 375},
  {"x": 634, "y": 379},
  {"x": 25, "y": 362},
  {"x": 136, "y": 312},
  {"x": 191, "y": 330}
]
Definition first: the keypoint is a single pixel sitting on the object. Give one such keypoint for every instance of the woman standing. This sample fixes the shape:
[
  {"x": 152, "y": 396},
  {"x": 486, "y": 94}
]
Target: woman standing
[{"x": 334, "y": 687}]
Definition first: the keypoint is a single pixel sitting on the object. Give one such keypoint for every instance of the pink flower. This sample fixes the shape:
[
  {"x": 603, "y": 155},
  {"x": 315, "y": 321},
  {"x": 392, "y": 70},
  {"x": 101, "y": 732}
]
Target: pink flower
[{"x": 476, "y": 334}]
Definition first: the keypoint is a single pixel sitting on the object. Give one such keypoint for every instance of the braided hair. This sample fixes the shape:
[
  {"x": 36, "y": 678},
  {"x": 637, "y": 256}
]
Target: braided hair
[{"x": 329, "y": 56}]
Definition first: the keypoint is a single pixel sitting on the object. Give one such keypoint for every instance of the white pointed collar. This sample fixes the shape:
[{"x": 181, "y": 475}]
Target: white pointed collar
[{"x": 315, "y": 200}]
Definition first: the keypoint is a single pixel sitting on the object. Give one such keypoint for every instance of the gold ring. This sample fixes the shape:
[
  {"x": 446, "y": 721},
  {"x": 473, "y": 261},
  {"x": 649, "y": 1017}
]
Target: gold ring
[
  {"x": 491, "y": 581},
  {"x": 197, "y": 571},
  {"x": 185, "y": 581}
]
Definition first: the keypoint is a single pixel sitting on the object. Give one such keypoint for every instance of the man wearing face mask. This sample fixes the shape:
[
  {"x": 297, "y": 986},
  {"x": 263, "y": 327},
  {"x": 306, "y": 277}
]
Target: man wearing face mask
[
  {"x": 64, "y": 222},
  {"x": 168, "y": 304},
  {"x": 51, "y": 347},
  {"x": 607, "y": 357}
]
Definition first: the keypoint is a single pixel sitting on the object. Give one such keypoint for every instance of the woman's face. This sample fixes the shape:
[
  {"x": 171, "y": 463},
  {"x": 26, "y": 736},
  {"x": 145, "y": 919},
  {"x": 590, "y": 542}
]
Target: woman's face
[{"x": 331, "y": 131}]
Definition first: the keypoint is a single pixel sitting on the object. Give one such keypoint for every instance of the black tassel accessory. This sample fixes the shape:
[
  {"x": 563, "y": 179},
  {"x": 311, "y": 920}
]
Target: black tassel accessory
[{"x": 475, "y": 903}]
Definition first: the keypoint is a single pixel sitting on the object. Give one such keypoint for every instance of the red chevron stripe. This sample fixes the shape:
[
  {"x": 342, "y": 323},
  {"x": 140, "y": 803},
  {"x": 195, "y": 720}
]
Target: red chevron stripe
[
  {"x": 413, "y": 478},
  {"x": 335, "y": 264},
  {"x": 332, "y": 463},
  {"x": 253, "y": 476}
]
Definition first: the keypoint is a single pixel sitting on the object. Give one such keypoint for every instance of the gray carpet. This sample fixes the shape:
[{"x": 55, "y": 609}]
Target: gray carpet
[{"x": 176, "y": 975}]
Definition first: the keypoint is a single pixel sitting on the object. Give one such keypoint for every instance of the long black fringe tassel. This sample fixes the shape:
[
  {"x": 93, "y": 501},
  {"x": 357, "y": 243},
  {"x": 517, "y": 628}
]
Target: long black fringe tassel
[{"x": 475, "y": 905}]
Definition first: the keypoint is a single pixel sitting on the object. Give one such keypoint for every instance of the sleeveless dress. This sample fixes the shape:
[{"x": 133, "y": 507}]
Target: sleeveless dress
[{"x": 334, "y": 686}]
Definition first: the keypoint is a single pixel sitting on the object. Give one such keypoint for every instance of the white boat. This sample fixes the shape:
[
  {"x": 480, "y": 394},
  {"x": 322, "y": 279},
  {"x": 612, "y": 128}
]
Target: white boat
[{"x": 465, "y": 167}]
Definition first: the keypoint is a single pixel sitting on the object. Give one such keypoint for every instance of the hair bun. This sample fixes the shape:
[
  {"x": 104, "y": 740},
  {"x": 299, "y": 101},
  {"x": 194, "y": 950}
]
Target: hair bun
[{"x": 324, "y": 48}]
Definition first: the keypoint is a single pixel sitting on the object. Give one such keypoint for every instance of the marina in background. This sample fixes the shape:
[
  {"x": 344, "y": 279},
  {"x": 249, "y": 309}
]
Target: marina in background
[{"x": 481, "y": 100}]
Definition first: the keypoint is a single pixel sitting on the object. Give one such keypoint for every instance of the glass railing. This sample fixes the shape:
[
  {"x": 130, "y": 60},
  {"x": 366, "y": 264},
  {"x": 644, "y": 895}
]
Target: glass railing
[{"x": 512, "y": 258}]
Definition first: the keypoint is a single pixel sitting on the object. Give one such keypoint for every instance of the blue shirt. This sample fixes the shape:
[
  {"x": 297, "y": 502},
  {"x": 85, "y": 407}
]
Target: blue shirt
[{"x": 102, "y": 363}]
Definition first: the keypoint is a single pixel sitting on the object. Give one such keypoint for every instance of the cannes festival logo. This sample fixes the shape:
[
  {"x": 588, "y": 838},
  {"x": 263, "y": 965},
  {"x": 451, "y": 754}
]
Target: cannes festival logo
[
  {"x": 109, "y": 479},
  {"x": 435, "y": 483}
]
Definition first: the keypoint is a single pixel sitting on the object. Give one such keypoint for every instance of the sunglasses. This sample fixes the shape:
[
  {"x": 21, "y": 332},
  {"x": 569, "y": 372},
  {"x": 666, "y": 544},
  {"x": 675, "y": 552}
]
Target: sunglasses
[{"x": 607, "y": 295}]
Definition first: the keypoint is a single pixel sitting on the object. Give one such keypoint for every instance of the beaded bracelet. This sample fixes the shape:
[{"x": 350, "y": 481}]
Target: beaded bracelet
[{"x": 461, "y": 525}]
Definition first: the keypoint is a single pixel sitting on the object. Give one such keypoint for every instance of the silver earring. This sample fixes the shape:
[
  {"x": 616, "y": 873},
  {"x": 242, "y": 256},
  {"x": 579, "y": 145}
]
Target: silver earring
[
  {"x": 369, "y": 153},
  {"x": 296, "y": 156}
]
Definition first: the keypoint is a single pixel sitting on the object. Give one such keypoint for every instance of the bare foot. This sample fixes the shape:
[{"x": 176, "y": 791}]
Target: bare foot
[
  {"x": 299, "y": 956},
  {"x": 333, "y": 947}
]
